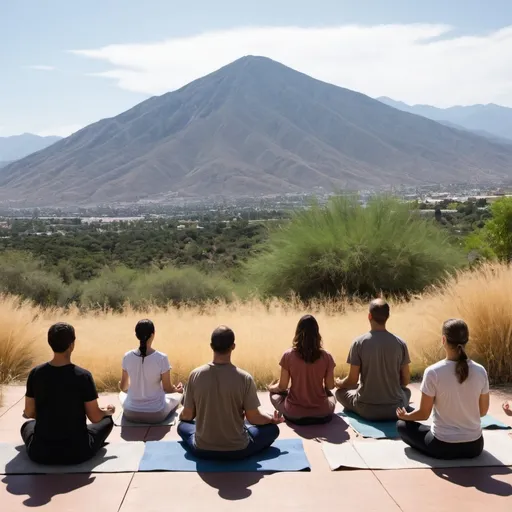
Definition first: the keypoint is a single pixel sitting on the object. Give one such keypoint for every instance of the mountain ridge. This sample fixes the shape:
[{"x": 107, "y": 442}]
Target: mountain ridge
[
  {"x": 254, "y": 127},
  {"x": 15, "y": 147}
]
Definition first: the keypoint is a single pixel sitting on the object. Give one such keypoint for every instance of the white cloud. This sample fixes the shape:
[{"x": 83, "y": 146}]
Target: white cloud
[
  {"x": 417, "y": 63},
  {"x": 60, "y": 131},
  {"x": 39, "y": 67}
]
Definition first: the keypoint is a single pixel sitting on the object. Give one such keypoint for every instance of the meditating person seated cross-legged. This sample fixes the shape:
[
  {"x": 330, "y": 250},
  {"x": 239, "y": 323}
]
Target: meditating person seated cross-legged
[
  {"x": 219, "y": 396},
  {"x": 382, "y": 361},
  {"x": 147, "y": 394},
  {"x": 310, "y": 368},
  {"x": 457, "y": 389},
  {"x": 59, "y": 397}
]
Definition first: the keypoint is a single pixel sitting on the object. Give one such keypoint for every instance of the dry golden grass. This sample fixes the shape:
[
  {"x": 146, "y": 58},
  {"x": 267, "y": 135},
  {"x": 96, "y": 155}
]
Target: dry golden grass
[{"x": 265, "y": 330}]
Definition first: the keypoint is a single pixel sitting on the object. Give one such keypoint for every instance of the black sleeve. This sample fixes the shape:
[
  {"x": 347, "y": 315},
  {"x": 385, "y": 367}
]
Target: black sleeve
[
  {"x": 88, "y": 388},
  {"x": 30, "y": 385}
]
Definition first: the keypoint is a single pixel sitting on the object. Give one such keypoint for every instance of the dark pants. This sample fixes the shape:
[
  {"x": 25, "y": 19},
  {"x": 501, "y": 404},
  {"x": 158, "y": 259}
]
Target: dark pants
[
  {"x": 349, "y": 398},
  {"x": 420, "y": 437},
  {"x": 64, "y": 453},
  {"x": 260, "y": 438}
]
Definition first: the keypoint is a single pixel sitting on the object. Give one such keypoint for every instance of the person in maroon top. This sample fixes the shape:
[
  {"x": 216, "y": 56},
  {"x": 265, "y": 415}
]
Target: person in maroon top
[{"x": 310, "y": 368}]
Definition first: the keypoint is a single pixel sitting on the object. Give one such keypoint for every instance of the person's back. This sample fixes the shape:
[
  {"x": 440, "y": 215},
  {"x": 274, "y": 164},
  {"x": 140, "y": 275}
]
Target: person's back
[
  {"x": 379, "y": 370},
  {"x": 307, "y": 396},
  {"x": 60, "y": 394},
  {"x": 219, "y": 397},
  {"x": 221, "y": 393},
  {"x": 60, "y": 397},
  {"x": 456, "y": 411},
  {"x": 145, "y": 393},
  {"x": 380, "y": 355}
]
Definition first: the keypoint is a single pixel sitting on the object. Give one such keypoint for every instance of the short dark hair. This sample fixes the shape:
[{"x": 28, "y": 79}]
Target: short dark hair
[
  {"x": 222, "y": 339},
  {"x": 61, "y": 336},
  {"x": 379, "y": 309}
]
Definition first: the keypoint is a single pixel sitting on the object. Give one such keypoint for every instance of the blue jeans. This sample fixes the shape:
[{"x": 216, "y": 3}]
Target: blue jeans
[{"x": 260, "y": 438}]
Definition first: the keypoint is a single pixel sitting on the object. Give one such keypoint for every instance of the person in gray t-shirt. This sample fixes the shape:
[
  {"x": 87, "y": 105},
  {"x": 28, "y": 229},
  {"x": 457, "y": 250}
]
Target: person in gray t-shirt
[{"x": 379, "y": 370}]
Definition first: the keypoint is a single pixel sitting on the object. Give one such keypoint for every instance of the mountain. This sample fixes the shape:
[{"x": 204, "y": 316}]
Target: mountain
[
  {"x": 492, "y": 121},
  {"x": 19, "y": 146},
  {"x": 253, "y": 127}
]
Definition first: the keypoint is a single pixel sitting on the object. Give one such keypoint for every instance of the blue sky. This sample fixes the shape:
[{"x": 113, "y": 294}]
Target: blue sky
[{"x": 66, "y": 64}]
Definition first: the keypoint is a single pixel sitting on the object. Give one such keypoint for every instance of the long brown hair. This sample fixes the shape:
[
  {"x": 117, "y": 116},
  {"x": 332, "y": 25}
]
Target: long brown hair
[
  {"x": 456, "y": 333},
  {"x": 308, "y": 341}
]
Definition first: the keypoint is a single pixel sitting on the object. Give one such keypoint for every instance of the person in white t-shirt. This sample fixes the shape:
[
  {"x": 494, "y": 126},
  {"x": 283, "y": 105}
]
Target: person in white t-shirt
[
  {"x": 457, "y": 389},
  {"x": 147, "y": 394}
]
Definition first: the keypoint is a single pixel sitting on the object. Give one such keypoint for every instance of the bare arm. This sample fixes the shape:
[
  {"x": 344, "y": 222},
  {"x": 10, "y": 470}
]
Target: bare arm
[
  {"x": 483, "y": 404},
  {"x": 351, "y": 381},
  {"x": 405, "y": 375},
  {"x": 187, "y": 414},
  {"x": 421, "y": 414},
  {"x": 30, "y": 408},
  {"x": 167, "y": 386},
  {"x": 95, "y": 413},
  {"x": 282, "y": 385},
  {"x": 329, "y": 379},
  {"x": 124, "y": 383}
]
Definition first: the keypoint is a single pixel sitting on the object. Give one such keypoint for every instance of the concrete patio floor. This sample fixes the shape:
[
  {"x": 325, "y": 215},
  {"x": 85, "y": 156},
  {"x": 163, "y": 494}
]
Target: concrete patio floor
[{"x": 418, "y": 490}]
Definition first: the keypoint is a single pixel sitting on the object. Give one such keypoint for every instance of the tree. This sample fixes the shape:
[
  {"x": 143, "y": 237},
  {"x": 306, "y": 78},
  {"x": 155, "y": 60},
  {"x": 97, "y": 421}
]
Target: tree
[{"x": 498, "y": 230}]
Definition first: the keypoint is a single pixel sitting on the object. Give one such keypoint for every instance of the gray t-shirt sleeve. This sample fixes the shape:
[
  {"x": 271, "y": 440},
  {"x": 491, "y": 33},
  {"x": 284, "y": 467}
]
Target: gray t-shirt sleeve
[
  {"x": 428, "y": 385},
  {"x": 251, "y": 400},
  {"x": 189, "y": 394},
  {"x": 354, "y": 355},
  {"x": 406, "y": 358}
]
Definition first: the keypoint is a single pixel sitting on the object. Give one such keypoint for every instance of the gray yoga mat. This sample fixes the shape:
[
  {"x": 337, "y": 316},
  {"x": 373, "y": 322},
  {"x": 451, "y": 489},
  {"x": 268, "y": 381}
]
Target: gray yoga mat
[
  {"x": 121, "y": 421},
  {"x": 388, "y": 454},
  {"x": 113, "y": 458}
]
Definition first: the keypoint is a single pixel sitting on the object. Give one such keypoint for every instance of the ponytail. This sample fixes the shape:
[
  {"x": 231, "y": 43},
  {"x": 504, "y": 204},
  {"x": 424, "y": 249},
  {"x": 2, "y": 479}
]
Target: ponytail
[
  {"x": 144, "y": 330},
  {"x": 456, "y": 333},
  {"x": 462, "y": 367}
]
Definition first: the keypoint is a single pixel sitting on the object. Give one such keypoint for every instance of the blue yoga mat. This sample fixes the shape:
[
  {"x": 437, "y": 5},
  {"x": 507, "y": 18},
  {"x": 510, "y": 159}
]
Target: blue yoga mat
[
  {"x": 283, "y": 455},
  {"x": 387, "y": 429}
]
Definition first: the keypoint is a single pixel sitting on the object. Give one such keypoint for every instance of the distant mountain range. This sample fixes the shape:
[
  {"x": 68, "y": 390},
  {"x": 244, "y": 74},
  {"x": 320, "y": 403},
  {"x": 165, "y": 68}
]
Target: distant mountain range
[
  {"x": 19, "y": 146},
  {"x": 253, "y": 127},
  {"x": 491, "y": 121}
]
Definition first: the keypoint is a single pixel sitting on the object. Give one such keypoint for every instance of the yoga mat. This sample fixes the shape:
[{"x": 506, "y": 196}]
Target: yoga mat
[
  {"x": 113, "y": 458},
  {"x": 387, "y": 429},
  {"x": 283, "y": 455},
  {"x": 121, "y": 421},
  {"x": 389, "y": 454}
]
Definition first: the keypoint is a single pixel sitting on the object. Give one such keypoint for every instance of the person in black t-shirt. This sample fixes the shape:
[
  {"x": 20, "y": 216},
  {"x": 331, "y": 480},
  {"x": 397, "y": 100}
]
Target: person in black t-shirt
[{"x": 59, "y": 397}]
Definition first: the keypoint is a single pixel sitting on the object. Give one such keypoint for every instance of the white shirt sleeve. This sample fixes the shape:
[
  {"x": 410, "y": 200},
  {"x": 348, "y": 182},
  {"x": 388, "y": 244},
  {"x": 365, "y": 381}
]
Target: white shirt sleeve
[
  {"x": 428, "y": 385},
  {"x": 124, "y": 363},
  {"x": 485, "y": 388},
  {"x": 165, "y": 364}
]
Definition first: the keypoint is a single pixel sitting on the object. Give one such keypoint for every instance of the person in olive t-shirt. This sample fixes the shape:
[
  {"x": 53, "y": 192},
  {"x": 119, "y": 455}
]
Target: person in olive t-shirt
[
  {"x": 382, "y": 360},
  {"x": 219, "y": 397},
  {"x": 59, "y": 397}
]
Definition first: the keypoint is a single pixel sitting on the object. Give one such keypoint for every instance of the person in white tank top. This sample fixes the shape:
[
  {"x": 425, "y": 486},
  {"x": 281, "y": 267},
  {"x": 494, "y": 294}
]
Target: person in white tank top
[
  {"x": 147, "y": 394},
  {"x": 456, "y": 389}
]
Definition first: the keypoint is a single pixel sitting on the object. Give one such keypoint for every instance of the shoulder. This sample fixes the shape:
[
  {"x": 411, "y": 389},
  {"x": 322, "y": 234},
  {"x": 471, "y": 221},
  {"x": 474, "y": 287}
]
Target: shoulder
[
  {"x": 326, "y": 354},
  {"x": 129, "y": 354},
  {"x": 362, "y": 338},
  {"x": 288, "y": 353},
  {"x": 434, "y": 368},
  {"x": 161, "y": 355},
  {"x": 38, "y": 368},
  {"x": 245, "y": 376},
  {"x": 199, "y": 370},
  {"x": 477, "y": 367},
  {"x": 397, "y": 338},
  {"x": 82, "y": 372}
]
